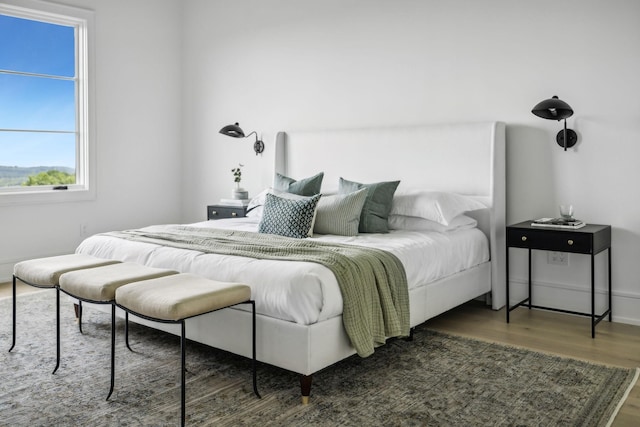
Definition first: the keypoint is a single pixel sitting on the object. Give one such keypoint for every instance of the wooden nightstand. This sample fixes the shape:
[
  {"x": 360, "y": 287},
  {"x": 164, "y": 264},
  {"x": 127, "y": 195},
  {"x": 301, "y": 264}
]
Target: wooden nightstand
[
  {"x": 224, "y": 211},
  {"x": 590, "y": 239}
]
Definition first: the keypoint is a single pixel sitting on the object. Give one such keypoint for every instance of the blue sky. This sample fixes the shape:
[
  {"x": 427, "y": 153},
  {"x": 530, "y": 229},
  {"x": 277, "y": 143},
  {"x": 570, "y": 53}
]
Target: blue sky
[{"x": 28, "y": 102}]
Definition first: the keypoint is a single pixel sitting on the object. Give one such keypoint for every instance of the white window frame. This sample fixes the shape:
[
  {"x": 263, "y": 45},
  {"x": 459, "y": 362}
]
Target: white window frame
[{"x": 83, "y": 22}]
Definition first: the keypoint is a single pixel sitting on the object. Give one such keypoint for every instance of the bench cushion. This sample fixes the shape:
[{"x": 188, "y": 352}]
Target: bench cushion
[
  {"x": 100, "y": 284},
  {"x": 180, "y": 296},
  {"x": 46, "y": 272}
]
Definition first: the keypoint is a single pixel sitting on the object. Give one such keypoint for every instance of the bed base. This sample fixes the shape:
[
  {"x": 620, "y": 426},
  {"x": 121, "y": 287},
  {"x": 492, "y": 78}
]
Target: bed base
[{"x": 324, "y": 343}]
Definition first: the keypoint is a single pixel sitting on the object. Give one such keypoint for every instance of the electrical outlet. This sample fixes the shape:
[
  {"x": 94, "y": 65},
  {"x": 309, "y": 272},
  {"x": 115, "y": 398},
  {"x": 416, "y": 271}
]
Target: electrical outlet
[
  {"x": 558, "y": 258},
  {"x": 83, "y": 229}
]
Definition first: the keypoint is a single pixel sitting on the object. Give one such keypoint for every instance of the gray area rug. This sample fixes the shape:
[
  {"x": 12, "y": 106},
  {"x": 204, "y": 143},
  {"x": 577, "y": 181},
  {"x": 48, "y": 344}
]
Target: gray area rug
[{"x": 435, "y": 380}]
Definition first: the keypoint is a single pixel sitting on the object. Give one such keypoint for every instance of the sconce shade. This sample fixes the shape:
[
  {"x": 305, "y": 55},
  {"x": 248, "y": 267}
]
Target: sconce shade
[
  {"x": 553, "y": 109},
  {"x": 233, "y": 131},
  {"x": 556, "y": 109}
]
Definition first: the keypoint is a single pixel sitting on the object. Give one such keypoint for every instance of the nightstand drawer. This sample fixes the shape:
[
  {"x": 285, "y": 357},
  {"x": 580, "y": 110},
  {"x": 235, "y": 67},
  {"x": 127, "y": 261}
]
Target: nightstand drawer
[
  {"x": 564, "y": 241},
  {"x": 220, "y": 212}
]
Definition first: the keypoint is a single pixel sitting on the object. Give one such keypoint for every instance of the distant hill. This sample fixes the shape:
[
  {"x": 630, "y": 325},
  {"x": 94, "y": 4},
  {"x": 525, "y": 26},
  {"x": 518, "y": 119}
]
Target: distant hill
[{"x": 16, "y": 175}]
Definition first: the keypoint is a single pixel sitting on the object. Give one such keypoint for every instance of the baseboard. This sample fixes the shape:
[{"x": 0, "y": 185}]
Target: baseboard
[
  {"x": 6, "y": 270},
  {"x": 625, "y": 305}
]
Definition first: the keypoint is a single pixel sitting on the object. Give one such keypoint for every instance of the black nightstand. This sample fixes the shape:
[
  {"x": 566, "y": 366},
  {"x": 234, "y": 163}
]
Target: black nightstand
[
  {"x": 225, "y": 211},
  {"x": 590, "y": 239}
]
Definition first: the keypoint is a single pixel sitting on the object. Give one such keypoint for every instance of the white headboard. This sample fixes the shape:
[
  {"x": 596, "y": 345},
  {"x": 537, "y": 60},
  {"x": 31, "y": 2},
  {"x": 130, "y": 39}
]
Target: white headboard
[{"x": 467, "y": 158}]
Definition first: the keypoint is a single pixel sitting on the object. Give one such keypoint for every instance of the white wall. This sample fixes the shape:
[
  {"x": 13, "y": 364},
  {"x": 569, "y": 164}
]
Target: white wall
[
  {"x": 290, "y": 64},
  {"x": 171, "y": 73},
  {"x": 138, "y": 77}
]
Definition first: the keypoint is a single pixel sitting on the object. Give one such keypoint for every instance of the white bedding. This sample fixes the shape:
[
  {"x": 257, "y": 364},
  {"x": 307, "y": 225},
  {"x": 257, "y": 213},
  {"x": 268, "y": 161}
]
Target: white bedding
[{"x": 303, "y": 292}]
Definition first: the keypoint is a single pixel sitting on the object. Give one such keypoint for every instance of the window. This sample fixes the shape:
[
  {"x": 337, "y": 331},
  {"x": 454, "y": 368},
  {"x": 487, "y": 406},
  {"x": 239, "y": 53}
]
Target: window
[{"x": 45, "y": 127}]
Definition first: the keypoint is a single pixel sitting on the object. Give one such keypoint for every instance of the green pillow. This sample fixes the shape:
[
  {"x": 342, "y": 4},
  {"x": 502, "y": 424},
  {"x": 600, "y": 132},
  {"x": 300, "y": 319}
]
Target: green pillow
[
  {"x": 288, "y": 217},
  {"x": 339, "y": 214},
  {"x": 375, "y": 212},
  {"x": 305, "y": 187}
]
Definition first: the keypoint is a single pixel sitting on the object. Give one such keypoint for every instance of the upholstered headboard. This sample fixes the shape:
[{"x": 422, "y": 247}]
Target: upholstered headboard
[{"x": 467, "y": 158}]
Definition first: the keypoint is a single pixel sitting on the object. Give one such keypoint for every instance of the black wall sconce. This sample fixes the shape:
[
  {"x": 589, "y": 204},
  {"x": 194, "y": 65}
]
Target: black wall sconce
[
  {"x": 556, "y": 109},
  {"x": 235, "y": 131}
]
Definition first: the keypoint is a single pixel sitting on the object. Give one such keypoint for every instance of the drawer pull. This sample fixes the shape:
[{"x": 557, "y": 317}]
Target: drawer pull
[
  {"x": 214, "y": 213},
  {"x": 524, "y": 238},
  {"x": 234, "y": 213},
  {"x": 570, "y": 242}
]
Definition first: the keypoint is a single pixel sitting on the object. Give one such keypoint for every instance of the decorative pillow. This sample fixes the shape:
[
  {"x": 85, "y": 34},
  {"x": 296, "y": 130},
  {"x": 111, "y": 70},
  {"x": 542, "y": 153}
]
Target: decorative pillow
[
  {"x": 288, "y": 217},
  {"x": 375, "y": 212},
  {"x": 412, "y": 223},
  {"x": 340, "y": 213},
  {"x": 304, "y": 187},
  {"x": 438, "y": 206}
]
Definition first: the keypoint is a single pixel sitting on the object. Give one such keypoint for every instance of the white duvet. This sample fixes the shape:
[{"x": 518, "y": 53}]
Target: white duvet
[{"x": 303, "y": 292}]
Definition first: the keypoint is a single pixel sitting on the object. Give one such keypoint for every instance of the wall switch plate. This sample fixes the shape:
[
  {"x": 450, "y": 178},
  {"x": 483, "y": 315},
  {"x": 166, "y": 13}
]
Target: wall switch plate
[{"x": 558, "y": 258}]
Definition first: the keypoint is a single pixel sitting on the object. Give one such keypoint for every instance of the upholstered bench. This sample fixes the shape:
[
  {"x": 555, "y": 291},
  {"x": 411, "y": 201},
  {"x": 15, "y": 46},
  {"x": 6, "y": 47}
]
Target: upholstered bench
[
  {"x": 98, "y": 286},
  {"x": 173, "y": 299},
  {"x": 45, "y": 273}
]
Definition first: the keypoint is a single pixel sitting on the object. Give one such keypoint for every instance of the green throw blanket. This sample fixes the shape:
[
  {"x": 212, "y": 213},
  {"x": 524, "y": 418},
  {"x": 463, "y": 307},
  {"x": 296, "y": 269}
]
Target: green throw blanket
[{"x": 372, "y": 281}]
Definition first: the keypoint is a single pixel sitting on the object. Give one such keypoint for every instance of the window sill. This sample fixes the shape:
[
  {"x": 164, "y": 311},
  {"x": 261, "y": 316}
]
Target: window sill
[{"x": 47, "y": 196}]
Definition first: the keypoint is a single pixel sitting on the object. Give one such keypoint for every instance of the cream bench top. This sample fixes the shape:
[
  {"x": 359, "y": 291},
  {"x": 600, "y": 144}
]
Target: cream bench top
[
  {"x": 46, "y": 272},
  {"x": 180, "y": 296},
  {"x": 100, "y": 283}
]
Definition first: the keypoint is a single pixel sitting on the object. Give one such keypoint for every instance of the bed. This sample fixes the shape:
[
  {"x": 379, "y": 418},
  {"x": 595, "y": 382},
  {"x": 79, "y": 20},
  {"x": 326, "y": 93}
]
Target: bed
[{"x": 305, "y": 333}]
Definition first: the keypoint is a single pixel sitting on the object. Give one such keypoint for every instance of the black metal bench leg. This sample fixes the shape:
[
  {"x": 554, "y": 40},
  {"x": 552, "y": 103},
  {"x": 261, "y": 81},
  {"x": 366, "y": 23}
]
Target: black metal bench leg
[
  {"x": 57, "y": 330},
  {"x": 113, "y": 348},
  {"x": 80, "y": 316},
  {"x": 126, "y": 329},
  {"x": 13, "y": 337},
  {"x": 182, "y": 374}
]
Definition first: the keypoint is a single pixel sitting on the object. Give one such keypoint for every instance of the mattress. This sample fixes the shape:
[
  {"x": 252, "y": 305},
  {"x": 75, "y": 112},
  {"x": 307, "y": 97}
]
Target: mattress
[{"x": 303, "y": 292}]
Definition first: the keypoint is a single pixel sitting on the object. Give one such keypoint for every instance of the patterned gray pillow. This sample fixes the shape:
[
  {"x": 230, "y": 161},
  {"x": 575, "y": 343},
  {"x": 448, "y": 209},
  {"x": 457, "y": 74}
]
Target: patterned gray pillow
[{"x": 288, "y": 217}]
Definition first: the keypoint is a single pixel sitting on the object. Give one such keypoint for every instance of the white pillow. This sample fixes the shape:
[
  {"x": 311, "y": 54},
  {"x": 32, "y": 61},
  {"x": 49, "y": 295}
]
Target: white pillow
[
  {"x": 438, "y": 206},
  {"x": 254, "y": 208},
  {"x": 412, "y": 223}
]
